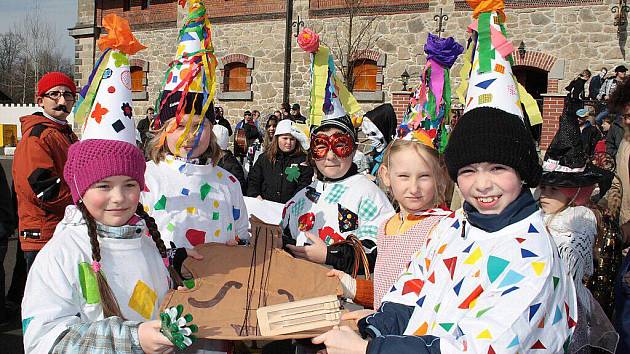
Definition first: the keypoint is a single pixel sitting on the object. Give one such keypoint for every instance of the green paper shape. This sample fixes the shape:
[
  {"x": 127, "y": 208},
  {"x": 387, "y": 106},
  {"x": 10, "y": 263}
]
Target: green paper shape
[
  {"x": 89, "y": 284},
  {"x": 120, "y": 59},
  {"x": 229, "y": 228},
  {"x": 25, "y": 323},
  {"x": 495, "y": 267},
  {"x": 480, "y": 313},
  {"x": 189, "y": 283},
  {"x": 484, "y": 42},
  {"x": 170, "y": 227},
  {"x": 437, "y": 307},
  {"x": 215, "y": 215},
  {"x": 161, "y": 204},
  {"x": 293, "y": 173},
  {"x": 204, "y": 190},
  {"x": 447, "y": 326},
  {"x": 555, "y": 282}
]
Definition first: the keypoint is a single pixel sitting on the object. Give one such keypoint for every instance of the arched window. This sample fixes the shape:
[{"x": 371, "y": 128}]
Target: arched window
[
  {"x": 364, "y": 72},
  {"x": 235, "y": 79},
  {"x": 137, "y": 79}
]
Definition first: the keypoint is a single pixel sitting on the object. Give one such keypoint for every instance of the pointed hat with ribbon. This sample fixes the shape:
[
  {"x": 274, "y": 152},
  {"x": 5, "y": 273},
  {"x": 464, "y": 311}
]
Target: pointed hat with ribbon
[
  {"x": 329, "y": 97},
  {"x": 486, "y": 76},
  {"x": 105, "y": 104},
  {"x": 427, "y": 117},
  {"x": 189, "y": 83}
]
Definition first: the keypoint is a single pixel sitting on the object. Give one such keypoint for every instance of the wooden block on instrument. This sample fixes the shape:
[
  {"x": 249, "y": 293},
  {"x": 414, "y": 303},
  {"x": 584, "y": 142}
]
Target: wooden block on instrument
[{"x": 298, "y": 316}]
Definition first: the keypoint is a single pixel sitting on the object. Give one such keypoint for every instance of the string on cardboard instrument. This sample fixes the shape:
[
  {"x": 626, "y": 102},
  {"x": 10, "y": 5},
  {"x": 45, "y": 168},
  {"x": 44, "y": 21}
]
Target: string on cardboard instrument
[{"x": 263, "y": 283}]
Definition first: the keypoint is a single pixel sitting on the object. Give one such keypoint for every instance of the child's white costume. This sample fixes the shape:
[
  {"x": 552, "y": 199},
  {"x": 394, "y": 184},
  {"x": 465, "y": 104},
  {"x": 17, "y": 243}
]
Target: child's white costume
[
  {"x": 334, "y": 210},
  {"x": 194, "y": 204},
  {"x": 62, "y": 292},
  {"x": 573, "y": 231},
  {"x": 481, "y": 292}
]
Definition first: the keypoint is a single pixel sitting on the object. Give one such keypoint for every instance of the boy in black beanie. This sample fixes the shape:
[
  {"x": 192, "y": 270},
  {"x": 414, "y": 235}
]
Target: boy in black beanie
[{"x": 489, "y": 279}]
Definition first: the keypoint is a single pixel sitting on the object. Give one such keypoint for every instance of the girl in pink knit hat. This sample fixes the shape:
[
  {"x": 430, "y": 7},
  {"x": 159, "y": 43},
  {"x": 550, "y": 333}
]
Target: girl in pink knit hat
[{"x": 98, "y": 284}]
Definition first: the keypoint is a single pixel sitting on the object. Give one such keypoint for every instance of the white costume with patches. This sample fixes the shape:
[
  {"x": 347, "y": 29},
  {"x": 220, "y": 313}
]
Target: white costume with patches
[
  {"x": 60, "y": 290},
  {"x": 194, "y": 204},
  {"x": 354, "y": 205},
  {"x": 480, "y": 292}
]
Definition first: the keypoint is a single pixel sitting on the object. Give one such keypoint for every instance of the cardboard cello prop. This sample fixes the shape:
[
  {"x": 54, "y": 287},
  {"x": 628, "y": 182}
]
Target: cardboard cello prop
[{"x": 232, "y": 282}]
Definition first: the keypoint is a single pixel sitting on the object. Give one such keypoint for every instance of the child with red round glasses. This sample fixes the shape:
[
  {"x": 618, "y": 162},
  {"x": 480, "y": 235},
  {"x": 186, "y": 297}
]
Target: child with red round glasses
[{"x": 340, "y": 202}]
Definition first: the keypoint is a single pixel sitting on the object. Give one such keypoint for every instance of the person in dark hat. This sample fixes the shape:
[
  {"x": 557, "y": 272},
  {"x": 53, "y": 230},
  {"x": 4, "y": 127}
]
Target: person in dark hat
[
  {"x": 567, "y": 183},
  {"x": 609, "y": 85},
  {"x": 296, "y": 115}
]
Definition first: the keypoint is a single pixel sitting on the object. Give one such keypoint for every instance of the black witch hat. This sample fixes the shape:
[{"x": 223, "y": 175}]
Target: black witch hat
[{"x": 565, "y": 163}]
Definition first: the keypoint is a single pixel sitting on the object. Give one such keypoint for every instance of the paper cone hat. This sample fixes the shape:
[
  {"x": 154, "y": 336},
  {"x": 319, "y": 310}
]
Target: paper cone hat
[
  {"x": 486, "y": 76},
  {"x": 193, "y": 71},
  {"x": 330, "y": 99},
  {"x": 105, "y": 102},
  {"x": 427, "y": 117}
]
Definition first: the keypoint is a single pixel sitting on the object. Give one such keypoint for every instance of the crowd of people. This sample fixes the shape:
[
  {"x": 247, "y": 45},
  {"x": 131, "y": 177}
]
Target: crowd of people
[{"x": 105, "y": 222}]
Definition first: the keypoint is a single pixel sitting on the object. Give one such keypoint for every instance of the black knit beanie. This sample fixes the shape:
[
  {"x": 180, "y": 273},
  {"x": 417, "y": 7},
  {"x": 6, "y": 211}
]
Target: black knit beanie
[
  {"x": 488, "y": 134},
  {"x": 194, "y": 100},
  {"x": 342, "y": 123}
]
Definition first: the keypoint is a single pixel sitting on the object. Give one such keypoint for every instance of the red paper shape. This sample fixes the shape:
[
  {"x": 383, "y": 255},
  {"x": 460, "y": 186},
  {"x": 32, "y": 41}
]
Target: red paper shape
[{"x": 196, "y": 237}]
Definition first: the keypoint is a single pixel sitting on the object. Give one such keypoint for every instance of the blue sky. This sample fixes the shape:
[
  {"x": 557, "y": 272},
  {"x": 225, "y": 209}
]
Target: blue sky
[{"x": 60, "y": 14}]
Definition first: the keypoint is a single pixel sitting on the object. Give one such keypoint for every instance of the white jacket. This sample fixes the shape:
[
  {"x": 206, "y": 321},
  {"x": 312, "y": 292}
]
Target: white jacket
[{"x": 61, "y": 290}]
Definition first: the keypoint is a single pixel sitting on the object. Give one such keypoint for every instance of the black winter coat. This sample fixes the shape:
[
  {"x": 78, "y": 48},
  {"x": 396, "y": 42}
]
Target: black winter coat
[
  {"x": 280, "y": 181},
  {"x": 230, "y": 163}
]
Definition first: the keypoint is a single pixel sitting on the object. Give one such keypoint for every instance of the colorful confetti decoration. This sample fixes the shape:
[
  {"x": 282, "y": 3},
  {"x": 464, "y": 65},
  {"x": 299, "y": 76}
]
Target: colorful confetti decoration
[
  {"x": 348, "y": 220},
  {"x": 143, "y": 299},
  {"x": 195, "y": 237},
  {"x": 204, "y": 190}
]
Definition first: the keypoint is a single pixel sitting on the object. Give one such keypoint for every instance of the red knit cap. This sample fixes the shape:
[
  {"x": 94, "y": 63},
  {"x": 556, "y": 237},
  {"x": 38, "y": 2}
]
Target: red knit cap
[
  {"x": 93, "y": 160},
  {"x": 53, "y": 79}
]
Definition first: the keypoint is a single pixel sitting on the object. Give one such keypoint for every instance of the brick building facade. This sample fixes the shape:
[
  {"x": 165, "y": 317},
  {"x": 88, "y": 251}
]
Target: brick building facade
[{"x": 560, "y": 38}]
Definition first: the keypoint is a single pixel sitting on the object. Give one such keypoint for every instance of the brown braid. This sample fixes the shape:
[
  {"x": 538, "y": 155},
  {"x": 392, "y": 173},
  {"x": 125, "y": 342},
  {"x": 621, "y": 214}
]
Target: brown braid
[
  {"x": 157, "y": 238},
  {"x": 108, "y": 300}
]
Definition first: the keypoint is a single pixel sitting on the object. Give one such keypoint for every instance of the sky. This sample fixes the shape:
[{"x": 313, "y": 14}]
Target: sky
[{"x": 60, "y": 14}]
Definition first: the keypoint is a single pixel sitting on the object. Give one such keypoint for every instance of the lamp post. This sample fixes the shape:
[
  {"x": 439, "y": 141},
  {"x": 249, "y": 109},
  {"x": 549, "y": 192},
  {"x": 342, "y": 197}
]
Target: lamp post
[
  {"x": 621, "y": 15},
  {"x": 521, "y": 50},
  {"x": 287, "y": 51},
  {"x": 440, "y": 19},
  {"x": 404, "y": 77}
]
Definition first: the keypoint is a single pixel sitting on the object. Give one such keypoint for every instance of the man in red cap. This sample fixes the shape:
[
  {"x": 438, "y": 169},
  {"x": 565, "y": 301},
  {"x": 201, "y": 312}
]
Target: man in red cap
[{"x": 42, "y": 194}]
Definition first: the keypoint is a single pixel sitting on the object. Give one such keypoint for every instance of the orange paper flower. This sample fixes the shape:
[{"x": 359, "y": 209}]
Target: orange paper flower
[
  {"x": 119, "y": 36},
  {"x": 308, "y": 40},
  {"x": 480, "y": 6}
]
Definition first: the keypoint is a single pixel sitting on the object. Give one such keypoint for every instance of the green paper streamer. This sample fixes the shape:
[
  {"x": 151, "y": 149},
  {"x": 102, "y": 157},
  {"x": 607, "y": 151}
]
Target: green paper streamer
[
  {"x": 509, "y": 58},
  {"x": 89, "y": 285},
  {"x": 484, "y": 43},
  {"x": 446, "y": 120}
]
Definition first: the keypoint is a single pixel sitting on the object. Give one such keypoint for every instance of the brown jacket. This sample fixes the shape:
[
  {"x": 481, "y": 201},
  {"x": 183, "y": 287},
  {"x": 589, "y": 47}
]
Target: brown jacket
[{"x": 41, "y": 191}]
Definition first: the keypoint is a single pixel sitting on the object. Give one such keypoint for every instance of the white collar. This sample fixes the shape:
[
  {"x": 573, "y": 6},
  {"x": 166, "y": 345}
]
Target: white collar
[{"x": 62, "y": 122}]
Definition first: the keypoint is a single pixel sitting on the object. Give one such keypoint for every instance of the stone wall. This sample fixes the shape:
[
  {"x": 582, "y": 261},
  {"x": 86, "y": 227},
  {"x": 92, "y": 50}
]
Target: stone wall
[{"x": 575, "y": 37}]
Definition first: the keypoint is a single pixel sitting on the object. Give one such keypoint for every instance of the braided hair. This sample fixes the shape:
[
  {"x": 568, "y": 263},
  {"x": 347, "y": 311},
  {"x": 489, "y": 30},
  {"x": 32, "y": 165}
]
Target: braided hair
[
  {"x": 108, "y": 300},
  {"x": 157, "y": 238}
]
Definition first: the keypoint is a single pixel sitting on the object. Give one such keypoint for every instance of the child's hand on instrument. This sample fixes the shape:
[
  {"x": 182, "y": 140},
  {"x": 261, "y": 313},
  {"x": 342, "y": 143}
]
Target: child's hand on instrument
[
  {"x": 152, "y": 340},
  {"x": 348, "y": 284},
  {"x": 315, "y": 252},
  {"x": 357, "y": 315},
  {"x": 192, "y": 253},
  {"x": 342, "y": 340}
]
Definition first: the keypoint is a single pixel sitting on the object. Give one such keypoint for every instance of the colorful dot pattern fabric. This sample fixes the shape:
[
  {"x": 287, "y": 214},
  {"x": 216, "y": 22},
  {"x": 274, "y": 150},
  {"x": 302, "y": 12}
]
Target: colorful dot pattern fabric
[
  {"x": 337, "y": 212},
  {"x": 194, "y": 204},
  {"x": 481, "y": 294}
]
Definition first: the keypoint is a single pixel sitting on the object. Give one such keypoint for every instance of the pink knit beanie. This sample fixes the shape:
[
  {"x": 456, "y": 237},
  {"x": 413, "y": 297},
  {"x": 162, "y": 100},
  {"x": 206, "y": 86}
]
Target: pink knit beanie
[{"x": 90, "y": 161}]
